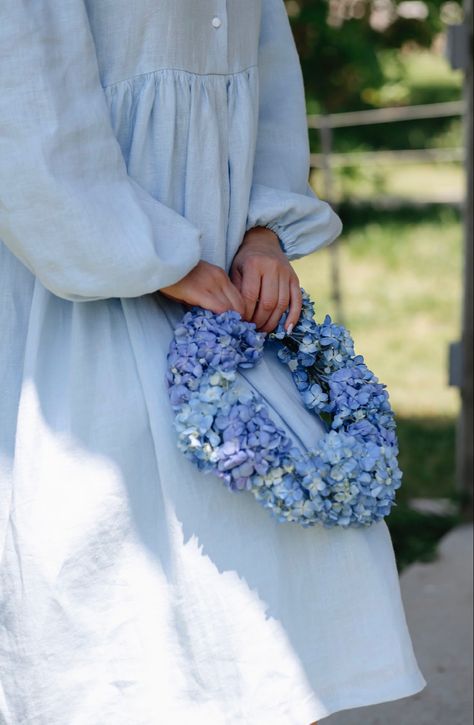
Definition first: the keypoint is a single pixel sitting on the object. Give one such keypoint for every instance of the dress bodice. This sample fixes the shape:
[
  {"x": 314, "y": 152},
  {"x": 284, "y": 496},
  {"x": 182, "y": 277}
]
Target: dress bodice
[{"x": 205, "y": 37}]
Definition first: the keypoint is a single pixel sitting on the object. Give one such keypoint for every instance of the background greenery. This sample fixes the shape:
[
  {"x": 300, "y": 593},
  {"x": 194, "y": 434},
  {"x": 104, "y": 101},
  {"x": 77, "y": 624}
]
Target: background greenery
[{"x": 401, "y": 269}]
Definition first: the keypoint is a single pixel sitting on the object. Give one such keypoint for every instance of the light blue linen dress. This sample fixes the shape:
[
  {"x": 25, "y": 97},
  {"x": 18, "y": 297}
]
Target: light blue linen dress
[{"x": 135, "y": 139}]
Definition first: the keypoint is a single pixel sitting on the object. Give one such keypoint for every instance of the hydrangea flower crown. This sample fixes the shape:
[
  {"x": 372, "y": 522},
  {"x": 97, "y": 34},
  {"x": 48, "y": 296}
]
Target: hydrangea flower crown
[{"x": 349, "y": 477}]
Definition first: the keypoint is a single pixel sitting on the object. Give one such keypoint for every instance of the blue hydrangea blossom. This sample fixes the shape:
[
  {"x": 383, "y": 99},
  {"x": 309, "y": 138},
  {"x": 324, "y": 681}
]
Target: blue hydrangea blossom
[{"x": 350, "y": 476}]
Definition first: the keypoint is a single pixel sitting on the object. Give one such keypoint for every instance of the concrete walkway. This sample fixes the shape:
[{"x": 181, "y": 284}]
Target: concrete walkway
[{"x": 438, "y": 605}]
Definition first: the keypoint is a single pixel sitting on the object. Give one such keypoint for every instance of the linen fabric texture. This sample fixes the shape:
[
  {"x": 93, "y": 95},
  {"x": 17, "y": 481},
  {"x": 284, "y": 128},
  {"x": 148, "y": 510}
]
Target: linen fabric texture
[{"x": 136, "y": 139}]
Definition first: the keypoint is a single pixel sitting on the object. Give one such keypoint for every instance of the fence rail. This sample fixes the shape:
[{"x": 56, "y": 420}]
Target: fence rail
[
  {"x": 327, "y": 160},
  {"x": 461, "y": 40},
  {"x": 386, "y": 115},
  {"x": 429, "y": 155}
]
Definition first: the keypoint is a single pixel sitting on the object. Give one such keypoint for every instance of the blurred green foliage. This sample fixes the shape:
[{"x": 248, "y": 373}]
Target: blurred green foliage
[
  {"x": 341, "y": 44},
  {"x": 349, "y": 65}
]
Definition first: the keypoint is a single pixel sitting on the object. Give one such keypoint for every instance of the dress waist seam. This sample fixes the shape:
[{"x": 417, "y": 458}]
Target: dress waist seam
[{"x": 156, "y": 71}]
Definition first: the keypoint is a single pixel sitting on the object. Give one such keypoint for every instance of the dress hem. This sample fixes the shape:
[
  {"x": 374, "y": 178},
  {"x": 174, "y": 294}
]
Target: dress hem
[{"x": 351, "y": 699}]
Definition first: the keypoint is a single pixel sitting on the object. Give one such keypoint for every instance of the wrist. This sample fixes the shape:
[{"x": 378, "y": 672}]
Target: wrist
[{"x": 262, "y": 235}]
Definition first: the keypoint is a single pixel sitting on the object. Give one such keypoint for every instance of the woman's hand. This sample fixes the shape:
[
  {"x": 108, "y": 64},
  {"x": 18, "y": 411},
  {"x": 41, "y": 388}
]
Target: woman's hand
[
  {"x": 207, "y": 286},
  {"x": 267, "y": 282}
]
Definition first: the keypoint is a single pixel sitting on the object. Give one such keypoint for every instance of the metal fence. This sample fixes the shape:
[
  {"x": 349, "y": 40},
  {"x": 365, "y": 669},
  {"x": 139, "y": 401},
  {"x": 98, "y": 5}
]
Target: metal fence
[
  {"x": 327, "y": 160},
  {"x": 461, "y": 368}
]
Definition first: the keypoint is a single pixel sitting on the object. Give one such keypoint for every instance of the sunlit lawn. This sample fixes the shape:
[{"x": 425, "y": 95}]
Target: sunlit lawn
[
  {"x": 401, "y": 291},
  {"x": 442, "y": 182},
  {"x": 401, "y": 283},
  {"x": 437, "y": 182}
]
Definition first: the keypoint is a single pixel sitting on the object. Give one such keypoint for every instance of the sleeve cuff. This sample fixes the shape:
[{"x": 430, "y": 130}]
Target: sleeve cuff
[{"x": 302, "y": 222}]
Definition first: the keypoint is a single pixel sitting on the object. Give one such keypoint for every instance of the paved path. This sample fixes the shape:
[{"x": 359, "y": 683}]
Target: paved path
[{"x": 438, "y": 605}]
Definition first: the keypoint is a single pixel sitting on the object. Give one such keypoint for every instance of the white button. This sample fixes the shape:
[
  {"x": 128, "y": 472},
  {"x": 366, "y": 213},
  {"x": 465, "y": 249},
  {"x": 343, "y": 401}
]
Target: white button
[{"x": 217, "y": 22}]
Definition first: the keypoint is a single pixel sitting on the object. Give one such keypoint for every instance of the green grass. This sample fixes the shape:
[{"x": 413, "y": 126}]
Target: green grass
[
  {"x": 415, "y": 535},
  {"x": 411, "y": 77},
  {"x": 427, "y": 446},
  {"x": 401, "y": 283},
  {"x": 433, "y": 182},
  {"x": 401, "y": 290}
]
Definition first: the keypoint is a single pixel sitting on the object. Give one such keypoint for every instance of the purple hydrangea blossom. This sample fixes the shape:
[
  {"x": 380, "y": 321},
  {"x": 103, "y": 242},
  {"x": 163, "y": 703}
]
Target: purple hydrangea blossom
[{"x": 351, "y": 475}]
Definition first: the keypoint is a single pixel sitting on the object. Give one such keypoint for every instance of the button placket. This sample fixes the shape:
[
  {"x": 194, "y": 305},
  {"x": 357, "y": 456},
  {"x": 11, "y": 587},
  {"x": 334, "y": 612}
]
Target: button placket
[{"x": 218, "y": 22}]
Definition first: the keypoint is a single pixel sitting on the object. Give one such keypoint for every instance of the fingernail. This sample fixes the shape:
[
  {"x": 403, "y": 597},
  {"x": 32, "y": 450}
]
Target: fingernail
[{"x": 289, "y": 329}]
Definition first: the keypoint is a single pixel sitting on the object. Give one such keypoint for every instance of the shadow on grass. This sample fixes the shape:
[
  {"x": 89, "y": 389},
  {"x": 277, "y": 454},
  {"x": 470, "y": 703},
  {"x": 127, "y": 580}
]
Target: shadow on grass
[
  {"x": 427, "y": 459},
  {"x": 359, "y": 215},
  {"x": 415, "y": 535},
  {"x": 427, "y": 456}
]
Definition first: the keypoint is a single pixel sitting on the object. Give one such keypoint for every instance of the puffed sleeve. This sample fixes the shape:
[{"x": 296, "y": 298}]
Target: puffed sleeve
[
  {"x": 68, "y": 208},
  {"x": 281, "y": 197}
]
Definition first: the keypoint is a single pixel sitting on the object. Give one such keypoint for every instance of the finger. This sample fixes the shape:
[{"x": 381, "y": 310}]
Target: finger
[
  {"x": 251, "y": 284},
  {"x": 200, "y": 298},
  {"x": 268, "y": 299},
  {"x": 281, "y": 306},
  {"x": 226, "y": 293},
  {"x": 236, "y": 301},
  {"x": 296, "y": 302},
  {"x": 215, "y": 301}
]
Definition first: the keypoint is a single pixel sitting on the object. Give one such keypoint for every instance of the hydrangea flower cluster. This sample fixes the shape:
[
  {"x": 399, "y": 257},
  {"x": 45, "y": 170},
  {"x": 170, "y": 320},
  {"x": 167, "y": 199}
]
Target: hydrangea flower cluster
[{"x": 349, "y": 477}]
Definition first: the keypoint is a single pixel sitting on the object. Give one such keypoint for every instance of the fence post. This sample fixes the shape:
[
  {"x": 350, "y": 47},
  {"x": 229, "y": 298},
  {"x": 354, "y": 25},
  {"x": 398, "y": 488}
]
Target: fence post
[
  {"x": 326, "y": 148},
  {"x": 459, "y": 51},
  {"x": 465, "y": 446}
]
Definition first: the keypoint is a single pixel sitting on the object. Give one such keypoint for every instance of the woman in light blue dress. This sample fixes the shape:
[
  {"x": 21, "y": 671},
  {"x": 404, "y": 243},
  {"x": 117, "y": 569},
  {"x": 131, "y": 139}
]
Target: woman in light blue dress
[{"x": 147, "y": 146}]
